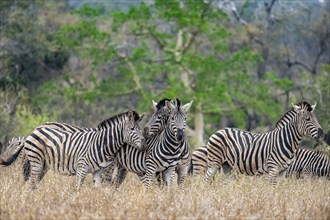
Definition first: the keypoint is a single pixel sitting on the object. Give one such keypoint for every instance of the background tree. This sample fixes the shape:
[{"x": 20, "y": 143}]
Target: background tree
[
  {"x": 242, "y": 62},
  {"x": 185, "y": 43}
]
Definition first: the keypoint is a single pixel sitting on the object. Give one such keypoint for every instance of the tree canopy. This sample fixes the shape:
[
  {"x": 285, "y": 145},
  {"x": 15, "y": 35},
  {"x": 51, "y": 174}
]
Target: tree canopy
[{"x": 241, "y": 64}]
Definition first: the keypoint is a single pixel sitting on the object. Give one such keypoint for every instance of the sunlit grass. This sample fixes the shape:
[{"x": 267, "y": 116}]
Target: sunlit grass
[{"x": 241, "y": 198}]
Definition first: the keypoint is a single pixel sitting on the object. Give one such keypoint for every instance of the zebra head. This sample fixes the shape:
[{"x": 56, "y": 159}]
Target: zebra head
[
  {"x": 307, "y": 123},
  {"x": 132, "y": 134},
  {"x": 158, "y": 120},
  {"x": 177, "y": 118}
]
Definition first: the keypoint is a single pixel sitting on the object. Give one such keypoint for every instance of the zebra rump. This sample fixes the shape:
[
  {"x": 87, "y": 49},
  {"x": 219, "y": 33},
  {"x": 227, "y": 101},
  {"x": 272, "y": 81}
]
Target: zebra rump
[{"x": 14, "y": 150}]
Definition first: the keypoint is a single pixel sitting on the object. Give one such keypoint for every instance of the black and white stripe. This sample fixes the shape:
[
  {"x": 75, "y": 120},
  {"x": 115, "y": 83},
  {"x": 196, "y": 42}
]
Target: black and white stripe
[
  {"x": 167, "y": 152},
  {"x": 80, "y": 152},
  {"x": 18, "y": 142},
  {"x": 271, "y": 152},
  {"x": 198, "y": 164},
  {"x": 309, "y": 163}
]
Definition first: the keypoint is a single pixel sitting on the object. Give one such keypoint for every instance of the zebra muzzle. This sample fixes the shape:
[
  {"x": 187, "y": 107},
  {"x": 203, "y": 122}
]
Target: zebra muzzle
[
  {"x": 180, "y": 135},
  {"x": 320, "y": 134},
  {"x": 146, "y": 132}
]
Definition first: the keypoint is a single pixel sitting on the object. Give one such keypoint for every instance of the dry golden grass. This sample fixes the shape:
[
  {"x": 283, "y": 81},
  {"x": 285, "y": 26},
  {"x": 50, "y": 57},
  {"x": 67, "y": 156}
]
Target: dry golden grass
[{"x": 241, "y": 198}]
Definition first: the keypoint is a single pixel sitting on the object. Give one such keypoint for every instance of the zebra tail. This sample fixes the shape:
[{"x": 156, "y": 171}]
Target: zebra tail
[
  {"x": 26, "y": 169},
  {"x": 11, "y": 158},
  {"x": 190, "y": 169}
]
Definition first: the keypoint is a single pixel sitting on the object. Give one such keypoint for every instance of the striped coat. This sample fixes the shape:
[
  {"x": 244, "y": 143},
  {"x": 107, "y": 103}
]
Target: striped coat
[
  {"x": 271, "y": 152},
  {"x": 80, "y": 152}
]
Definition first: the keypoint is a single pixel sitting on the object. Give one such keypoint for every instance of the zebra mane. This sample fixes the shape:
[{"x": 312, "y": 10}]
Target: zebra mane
[
  {"x": 178, "y": 103},
  {"x": 291, "y": 113},
  {"x": 161, "y": 103},
  {"x": 108, "y": 121}
]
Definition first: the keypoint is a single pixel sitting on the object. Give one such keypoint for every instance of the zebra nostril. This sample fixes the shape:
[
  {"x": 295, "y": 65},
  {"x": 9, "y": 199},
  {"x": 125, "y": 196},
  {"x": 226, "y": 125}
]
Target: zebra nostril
[{"x": 180, "y": 135}]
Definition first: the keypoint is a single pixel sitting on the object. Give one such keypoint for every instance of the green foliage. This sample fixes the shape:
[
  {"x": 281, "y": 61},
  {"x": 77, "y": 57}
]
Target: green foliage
[
  {"x": 88, "y": 11},
  {"x": 127, "y": 57},
  {"x": 180, "y": 50},
  {"x": 27, "y": 120},
  {"x": 29, "y": 51}
]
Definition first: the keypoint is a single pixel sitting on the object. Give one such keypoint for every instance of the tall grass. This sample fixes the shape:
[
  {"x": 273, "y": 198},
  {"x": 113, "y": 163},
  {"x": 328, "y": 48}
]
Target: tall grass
[{"x": 242, "y": 198}]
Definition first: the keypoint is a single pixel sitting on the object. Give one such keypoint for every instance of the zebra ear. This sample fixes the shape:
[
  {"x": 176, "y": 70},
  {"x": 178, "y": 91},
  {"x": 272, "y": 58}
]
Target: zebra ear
[
  {"x": 297, "y": 108},
  {"x": 130, "y": 116},
  {"x": 141, "y": 117},
  {"x": 154, "y": 105},
  {"x": 313, "y": 106},
  {"x": 186, "y": 107}
]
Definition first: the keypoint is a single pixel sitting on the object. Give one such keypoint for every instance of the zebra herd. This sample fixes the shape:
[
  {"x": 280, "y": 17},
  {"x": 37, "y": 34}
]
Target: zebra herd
[{"x": 161, "y": 150}]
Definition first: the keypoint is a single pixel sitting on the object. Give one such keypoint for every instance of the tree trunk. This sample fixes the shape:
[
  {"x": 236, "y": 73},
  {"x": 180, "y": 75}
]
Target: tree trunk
[{"x": 199, "y": 129}]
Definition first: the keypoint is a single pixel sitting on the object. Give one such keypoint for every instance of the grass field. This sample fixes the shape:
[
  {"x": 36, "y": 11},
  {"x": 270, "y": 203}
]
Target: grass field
[{"x": 241, "y": 198}]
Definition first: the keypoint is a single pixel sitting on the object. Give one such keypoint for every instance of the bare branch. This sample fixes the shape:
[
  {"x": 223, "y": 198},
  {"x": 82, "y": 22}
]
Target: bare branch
[{"x": 189, "y": 42}]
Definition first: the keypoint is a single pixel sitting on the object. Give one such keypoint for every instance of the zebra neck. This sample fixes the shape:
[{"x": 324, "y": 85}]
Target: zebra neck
[
  {"x": 170, "y": 140},
  {"x": 112, "y": 139},
  {"x": 288, "y": 141}
]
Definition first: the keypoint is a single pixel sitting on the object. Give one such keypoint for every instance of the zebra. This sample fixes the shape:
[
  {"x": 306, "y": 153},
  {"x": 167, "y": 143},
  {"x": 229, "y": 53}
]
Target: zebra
[
  {"x": 310, "y": 163},
  {"x": 154, "y": 126},
  {"x": 167, "y": 152},
  {"x": 16, "y": 143},
  {"x": 79, "y": 152},
  {"x": 271, "y": 152}
]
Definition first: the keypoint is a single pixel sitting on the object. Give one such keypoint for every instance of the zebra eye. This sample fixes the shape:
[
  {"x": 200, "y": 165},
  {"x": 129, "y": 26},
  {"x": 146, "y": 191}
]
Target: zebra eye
[{"x": 308, "y": 118}]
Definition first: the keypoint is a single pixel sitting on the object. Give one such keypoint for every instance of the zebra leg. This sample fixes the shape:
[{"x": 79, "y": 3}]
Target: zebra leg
[
  {"x": 37, "y": 172},
  {"x": 26, "y": 169},
  {"x": 82, "y": 172},
  {"x": 307, "y": 173},
  {"x": 107, "y": 175},
  {"x": 182, "y": 172},
  {"x": 169, "y": 177},
  {"x": 97, "y": 177},
  {"x": 160, "y": 179},
  {"x": 121, "y": 176},
  {"x": 273, "y": 173},
  {"x": 148, "y": 177},
  {"x": 212, "y": 169}
]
